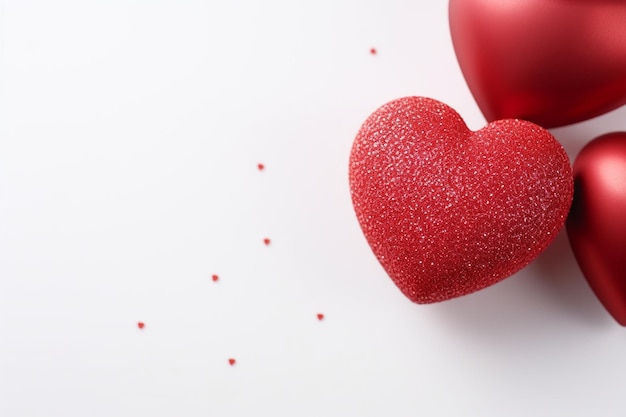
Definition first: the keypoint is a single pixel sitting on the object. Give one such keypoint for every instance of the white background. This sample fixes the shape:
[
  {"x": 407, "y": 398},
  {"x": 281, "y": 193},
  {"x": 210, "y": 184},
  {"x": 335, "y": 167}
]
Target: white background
[{"x": 130, "y": 132}]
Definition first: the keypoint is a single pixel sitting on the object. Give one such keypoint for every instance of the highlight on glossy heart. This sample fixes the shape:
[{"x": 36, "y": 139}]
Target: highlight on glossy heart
[
  {"x": 552, "y": 62},
  {"x": 597, "y": 223},
  {"x": 448, "y": 211}
]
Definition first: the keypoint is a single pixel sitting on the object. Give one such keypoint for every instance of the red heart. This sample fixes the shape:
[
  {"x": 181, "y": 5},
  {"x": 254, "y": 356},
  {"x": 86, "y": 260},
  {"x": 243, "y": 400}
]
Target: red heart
[
  {"x": 231, "y": 361},
  {"x": 552, "y": 62},
  {"x": 597, "y": 223},
  {"x": 448, "y": 211},
  {"x": 140, "y": 324},
  {"x": 320, "y": 316}
]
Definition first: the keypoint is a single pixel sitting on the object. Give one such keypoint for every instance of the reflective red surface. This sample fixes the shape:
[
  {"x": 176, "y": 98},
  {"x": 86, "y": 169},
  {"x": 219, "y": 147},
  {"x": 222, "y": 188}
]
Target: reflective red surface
[
  {"x": 597, "y": 222},
  {"x": 553, "y": 62}
]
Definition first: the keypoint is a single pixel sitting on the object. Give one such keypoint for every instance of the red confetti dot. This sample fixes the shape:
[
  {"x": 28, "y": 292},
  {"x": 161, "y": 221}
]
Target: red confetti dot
[
  {"x": 231, "y": 361},
  {"x": 373, "y": 51},
  {"x": 215, "y": 278},
  {"x": 261, "y": 167},
  {"x": 267, "y": 241},
  {"x": 140, "y": 324},
  {"x": 320, "y": 316}
]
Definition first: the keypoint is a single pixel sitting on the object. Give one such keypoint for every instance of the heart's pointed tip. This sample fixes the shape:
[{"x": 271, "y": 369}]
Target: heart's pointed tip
[
  {"x": 444, "y": 293},
  {"x": 618, "y": 314},
  {"x": 488, "y": 35}
]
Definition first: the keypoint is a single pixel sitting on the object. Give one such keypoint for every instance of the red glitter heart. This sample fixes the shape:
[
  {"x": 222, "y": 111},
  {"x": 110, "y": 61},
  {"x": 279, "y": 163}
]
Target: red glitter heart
[
  {"x": 266, "y": 241},
  {"x": 231, "y": 361},
  {"x": 320, "y": 316},
  {"x": 215, "y": 278},
  {"x": 448, "y": 211},
  {"x": 140, "y": 325}
]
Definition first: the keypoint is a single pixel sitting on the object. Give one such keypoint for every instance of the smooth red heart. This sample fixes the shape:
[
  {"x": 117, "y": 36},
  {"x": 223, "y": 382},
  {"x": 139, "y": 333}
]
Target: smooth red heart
[
  {"x": 553, "y": 62},
  {"x": 448, "y": 211},
  {"x": 597, "y": 223}
]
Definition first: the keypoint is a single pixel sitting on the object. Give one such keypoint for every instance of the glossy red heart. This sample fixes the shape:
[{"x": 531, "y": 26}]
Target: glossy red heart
[
  {"x": 597, "y": 223},
  {"x": 553, "y": 62},
  {"x": 448, "y": 211}
]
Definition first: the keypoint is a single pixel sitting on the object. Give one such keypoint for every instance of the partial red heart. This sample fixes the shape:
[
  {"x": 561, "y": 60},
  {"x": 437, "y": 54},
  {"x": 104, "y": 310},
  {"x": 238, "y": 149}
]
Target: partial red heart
[
  {"x": 597, "y": 223},
  {"x": 552, "y": 62},
  {"x": 448, "y": 211}
]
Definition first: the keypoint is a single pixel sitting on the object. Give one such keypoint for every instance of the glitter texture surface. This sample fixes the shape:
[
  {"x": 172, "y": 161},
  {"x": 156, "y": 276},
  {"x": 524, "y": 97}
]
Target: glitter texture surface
[{"x": 448, "y": 211}]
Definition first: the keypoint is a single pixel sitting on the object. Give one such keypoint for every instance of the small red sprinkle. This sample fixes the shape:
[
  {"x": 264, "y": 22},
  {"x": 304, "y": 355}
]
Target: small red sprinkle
[
  {"x": 320, "y": 316},
  {"x": 140, "y": 324},
  {"x": 373, "y": 51},
  {"x": 261, "y": 167},
  {"x": 231, "y": 361},
  {"x": 215, "y": 278},
  {"x": 266, "y": 241}
]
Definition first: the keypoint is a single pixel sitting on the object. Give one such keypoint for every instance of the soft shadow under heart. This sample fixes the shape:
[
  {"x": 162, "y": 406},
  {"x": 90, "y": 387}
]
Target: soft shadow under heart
[
  {"x": 557, "y": 271},
  {"x": 545, "y": 299}
]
